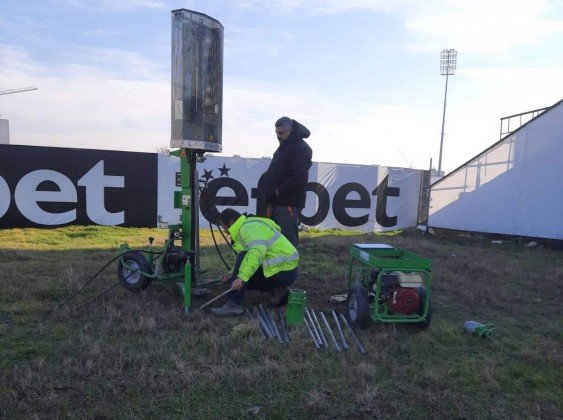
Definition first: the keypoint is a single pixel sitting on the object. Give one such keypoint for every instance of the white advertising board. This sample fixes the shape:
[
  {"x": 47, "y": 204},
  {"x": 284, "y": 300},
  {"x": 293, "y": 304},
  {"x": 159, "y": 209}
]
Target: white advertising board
[{"x": 358, "y": 197}]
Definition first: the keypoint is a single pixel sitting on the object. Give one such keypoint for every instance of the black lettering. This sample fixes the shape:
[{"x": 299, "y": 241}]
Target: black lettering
[
  {"x": 382, "y": 192},
  {"x": 322, "y": 208},
  {"x": 340, "y": 203},
  {"x": 208, "y": 200},
  {"x": 261, "y": 205}
]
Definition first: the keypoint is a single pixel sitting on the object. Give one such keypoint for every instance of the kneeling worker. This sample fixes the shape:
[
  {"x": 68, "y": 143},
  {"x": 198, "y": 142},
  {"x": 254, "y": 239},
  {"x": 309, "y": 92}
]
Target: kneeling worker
[{"x": 266, "y": 260}]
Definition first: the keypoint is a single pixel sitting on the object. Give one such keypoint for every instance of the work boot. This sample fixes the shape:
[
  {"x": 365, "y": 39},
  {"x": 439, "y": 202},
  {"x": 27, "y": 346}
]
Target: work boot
[
  {"x": 280, "y": 296},
  {"x": 229, "y": 308}
]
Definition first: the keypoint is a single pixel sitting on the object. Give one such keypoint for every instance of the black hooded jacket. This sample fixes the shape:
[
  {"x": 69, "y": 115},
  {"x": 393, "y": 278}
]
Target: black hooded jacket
[{"x": 289, "y": 170}]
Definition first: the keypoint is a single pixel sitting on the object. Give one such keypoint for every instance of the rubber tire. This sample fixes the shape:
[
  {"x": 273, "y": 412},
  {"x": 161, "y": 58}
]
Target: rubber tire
[
  {"x": 136, "y": 282},
  {"x": 422, "y": 298},
  {"x": 357, "y": 312}
]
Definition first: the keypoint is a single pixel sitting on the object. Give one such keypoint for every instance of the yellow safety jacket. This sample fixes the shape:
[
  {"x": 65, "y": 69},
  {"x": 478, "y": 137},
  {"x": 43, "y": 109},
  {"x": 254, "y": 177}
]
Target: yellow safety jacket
[{"x": 264, "y": 245}]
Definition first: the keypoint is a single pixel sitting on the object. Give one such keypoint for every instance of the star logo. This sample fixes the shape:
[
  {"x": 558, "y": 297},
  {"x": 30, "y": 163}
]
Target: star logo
[
  {"x": 207, "y": 175},
  {"x": 224, "y": 170}
]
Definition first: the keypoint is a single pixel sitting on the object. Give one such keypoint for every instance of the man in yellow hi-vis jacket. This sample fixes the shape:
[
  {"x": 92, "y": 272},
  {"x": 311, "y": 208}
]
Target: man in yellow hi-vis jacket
[{"x": 266, "y": 260}]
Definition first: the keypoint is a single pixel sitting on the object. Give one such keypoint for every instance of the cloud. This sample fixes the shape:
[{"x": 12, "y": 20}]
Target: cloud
[
  {"x": 119, "y": 99},
  {"x": 118, "y": 63},
  {"x": 379, "y": 135},
  {"x": 472, "y": 122},
  {"x": 111, "y": 5},
  {"x": 102, "y": 33},
  {"x": 260, "y": 42},
  {"x": 252, "y": 107},
  {"x": 471, "y": 26},
  {"x": 483, "y": 26},
  {"x": 90, "y": 106},
  {"x": 83, "y": 106},
  {"x": 336, "y": 6}
]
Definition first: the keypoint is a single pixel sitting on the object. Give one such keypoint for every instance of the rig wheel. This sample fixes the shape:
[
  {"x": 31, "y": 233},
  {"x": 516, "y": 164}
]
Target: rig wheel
[
  {"x": 130, "y": 262},
  {"x": 358, "y": 307},
  {"x": 422, "y": 299}
]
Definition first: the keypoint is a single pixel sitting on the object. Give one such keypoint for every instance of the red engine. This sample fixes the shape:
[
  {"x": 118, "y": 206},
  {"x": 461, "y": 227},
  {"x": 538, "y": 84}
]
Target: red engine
[{"x": 402, "y": 300}]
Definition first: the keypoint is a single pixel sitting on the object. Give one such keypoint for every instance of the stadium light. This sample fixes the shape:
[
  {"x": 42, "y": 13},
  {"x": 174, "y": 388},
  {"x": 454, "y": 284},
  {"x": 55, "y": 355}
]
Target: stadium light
[{"x": 448, "y": 63}]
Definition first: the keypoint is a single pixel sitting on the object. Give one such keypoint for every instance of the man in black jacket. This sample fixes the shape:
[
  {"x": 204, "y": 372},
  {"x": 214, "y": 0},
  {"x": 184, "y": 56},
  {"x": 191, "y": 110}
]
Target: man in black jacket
[{"x": 282, "y": 186}]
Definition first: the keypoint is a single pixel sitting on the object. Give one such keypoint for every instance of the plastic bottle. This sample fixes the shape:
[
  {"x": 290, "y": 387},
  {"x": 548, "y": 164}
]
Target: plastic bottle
[{"x": 478, "y": 329}]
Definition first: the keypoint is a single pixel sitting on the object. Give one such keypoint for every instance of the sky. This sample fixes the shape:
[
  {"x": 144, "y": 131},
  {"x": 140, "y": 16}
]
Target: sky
[{"x": 362, "y": 75}]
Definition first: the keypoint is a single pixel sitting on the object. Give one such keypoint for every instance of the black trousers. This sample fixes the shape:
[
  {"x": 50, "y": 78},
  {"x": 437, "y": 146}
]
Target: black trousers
[
  {"x": 287, "y": 218},
  {"x": 259, "y": 282}
]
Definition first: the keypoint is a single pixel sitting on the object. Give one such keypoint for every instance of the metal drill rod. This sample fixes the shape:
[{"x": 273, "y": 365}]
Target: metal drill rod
[
  {"x": 317, "y": 336},
  {"x": 263, "y": 324},
  {"x": 256, "y": 322},
  {"x": 319, "y": 328},
  {"x": 272, "y": 320},
  {"x": 312, "y": 334},
  {"x": 249, "y": 314},
  {"x": 358, "y": 342},
  {"x": 284, "y": 325},
  {"x": 344, "y": 343},
  {"x": 336, "y": 346},
  {"x": 266, "y": 319},
  {"x": 260, "y": 322},
  {"x": 311, "y": 324},
  {"x": 205, "y": 283},
  {"x": 280, "y": 327},
  {"x": 209, "y": 302},
  {"x": 256, "y": 313}
]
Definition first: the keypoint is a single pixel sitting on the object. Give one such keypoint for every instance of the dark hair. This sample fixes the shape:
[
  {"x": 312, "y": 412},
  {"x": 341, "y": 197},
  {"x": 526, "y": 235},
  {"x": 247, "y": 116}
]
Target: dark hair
[
  {"x": 228, "y": 215},
  {"x": 285, "y": 122}
]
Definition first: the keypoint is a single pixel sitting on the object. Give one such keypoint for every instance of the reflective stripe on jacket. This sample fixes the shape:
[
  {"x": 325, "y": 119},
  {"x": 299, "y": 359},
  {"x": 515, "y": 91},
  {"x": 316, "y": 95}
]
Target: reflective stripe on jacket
[{"x": 264, "y": 245}]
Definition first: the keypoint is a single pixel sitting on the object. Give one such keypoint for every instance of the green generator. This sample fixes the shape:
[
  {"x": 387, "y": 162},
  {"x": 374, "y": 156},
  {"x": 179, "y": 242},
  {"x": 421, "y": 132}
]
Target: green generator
[{"x": 388, "y": 284}]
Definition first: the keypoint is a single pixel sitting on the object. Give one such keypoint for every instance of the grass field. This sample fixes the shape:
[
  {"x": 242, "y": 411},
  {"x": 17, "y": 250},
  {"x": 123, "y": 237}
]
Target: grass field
[{"x": 135, "y": 355}]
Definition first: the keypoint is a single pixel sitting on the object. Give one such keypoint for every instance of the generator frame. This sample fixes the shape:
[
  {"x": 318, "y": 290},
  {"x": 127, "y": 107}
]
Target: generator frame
[{"x": 388, "y": 259}]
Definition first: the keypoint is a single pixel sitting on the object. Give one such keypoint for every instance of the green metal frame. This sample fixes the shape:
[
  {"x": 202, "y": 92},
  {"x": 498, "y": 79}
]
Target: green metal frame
[
  {"x": 185, "y": 231},
  {"x": 388, "y": 260}
]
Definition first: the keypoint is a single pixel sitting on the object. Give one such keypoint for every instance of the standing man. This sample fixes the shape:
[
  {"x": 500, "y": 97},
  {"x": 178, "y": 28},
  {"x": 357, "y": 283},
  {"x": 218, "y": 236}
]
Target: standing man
[
  {"x": 266, "y": 260},
  {"x": 282, "y": 186}
]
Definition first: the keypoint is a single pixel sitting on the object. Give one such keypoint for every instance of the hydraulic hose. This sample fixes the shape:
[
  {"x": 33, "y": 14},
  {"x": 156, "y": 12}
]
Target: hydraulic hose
[
  {"x": 98, "y": 273},
  {"x": 217, "y": 246}
]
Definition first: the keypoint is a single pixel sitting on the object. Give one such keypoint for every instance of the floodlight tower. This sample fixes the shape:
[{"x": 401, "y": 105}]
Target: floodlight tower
[{"x": 448, "y": 62}]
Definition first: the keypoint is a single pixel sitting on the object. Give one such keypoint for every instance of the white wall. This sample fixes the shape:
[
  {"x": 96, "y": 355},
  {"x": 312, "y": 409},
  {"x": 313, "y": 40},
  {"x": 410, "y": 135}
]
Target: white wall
[
  {"x": 4, "y": 132},
  {"x": 514, "y": 188}
]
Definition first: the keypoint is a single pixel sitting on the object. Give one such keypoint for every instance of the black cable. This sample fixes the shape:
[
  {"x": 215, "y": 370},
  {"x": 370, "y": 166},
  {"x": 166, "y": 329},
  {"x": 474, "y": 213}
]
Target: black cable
[
  {"x": 112, "y": 287},
  {"x": 227, "y": 240},
  {"x": 101, "y": 294},
  {"x": 203, "y": 191},
  {"x": 98, "y": 273},
  {"x": 87, "y": 283},
  {"x": 217, "y": 247}
]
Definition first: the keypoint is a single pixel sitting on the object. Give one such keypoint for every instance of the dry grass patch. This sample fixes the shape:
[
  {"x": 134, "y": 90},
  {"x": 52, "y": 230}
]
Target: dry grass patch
[{"x": 137, "y": 355}]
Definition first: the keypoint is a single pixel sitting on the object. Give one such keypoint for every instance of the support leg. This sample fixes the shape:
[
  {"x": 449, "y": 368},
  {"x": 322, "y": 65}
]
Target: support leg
[{"x": 187, "y": 288}]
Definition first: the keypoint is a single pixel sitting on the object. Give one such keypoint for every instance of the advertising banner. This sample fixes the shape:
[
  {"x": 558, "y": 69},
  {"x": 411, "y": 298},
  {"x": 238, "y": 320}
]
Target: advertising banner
[
  {"x": 49, "y": 186},
  {"x": 358, "y": 197}
]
